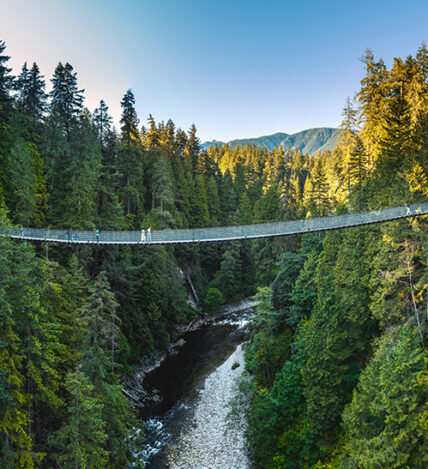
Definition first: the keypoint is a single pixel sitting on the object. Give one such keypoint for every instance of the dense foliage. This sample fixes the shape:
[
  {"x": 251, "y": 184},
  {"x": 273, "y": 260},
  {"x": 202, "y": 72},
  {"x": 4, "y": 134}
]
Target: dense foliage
[
  {"x": 75, "y": 320},
  {"x": 343, "y": 312},
  {"x": 337, "y": 357}
]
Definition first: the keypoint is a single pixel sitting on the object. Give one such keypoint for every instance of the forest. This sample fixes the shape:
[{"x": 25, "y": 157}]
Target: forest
[{"x": 336, "y": 363}]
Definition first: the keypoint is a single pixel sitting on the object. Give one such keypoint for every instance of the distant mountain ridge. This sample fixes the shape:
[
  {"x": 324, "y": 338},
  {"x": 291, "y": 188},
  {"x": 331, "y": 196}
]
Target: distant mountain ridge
[{"x": 307, "y": 141}]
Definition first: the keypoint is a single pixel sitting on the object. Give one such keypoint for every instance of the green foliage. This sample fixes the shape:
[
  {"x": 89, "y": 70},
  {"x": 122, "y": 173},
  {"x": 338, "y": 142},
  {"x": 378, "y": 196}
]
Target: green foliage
[
  {"x": 386, "y": 423},
  {"x": 80, "y": 441},
  {"x": 324, "y": 392},
  {"x": 213, "y": 300}
]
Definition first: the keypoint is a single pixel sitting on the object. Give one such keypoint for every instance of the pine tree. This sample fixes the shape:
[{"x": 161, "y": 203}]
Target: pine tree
[
  {"x": 151, "y": 137},
  {"x": 131, "y": 158},
  {"x": 99, "y": 364},
  {"x": 22, "y": 184},
  {"x": 245, "y": 210},
  {"x": 80, "y": 440},
  {"x": 102, "y": 324},
  {"x": 66, "y": 98},
  {"x": 193, "y": 147},
  {"x": 228, "y": 280},
  {"x": 31, "y": 95},
  {"x": 370, "y": 98},
  {"x": 347, "y": 137},
  {"x": 163, "y": 191},
  {"x": 317, "y": 192},
  {"x": 358, "y": 172},
  {"x": 77, "y": 195},
  {"x": 16, "y": 446},
  {"x": 228, "y": 199},
  {"x": 6, "y": 81},
  {"x": 385, "y": 423},
  {"x": 213, "y": 201},
  {"x": 103, "y": 121},
  {"x": 199, "y": 214}
]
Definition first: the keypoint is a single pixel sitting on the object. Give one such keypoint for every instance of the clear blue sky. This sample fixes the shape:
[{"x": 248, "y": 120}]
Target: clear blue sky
[{"x": 235, "y": 68}]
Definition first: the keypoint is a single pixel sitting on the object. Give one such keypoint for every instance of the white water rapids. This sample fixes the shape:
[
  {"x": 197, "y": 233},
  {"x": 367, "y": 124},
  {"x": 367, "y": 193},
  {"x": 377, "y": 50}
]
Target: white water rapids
[{"x": 205, "y": 443}]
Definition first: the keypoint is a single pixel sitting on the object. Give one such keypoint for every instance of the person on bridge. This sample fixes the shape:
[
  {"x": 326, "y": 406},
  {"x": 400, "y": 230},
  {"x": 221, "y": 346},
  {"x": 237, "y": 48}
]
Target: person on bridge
[
  {"x": 97, "y": 235},
  {"x": 143, "y": 235},
  {"x": 149, "y": 234},
  {"x": 76, "y": 235},
  {"x": 69, "y": 235},
  {"x": 409, "y": 211},
  {"x": 21, "y": 231}
]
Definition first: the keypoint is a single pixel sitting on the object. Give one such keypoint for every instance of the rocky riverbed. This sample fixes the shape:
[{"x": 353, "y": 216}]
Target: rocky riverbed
[
  {"x": 186, "y": 426},
  {"x": 206, "y": 442},
  {"x": 135, "y": 387}
]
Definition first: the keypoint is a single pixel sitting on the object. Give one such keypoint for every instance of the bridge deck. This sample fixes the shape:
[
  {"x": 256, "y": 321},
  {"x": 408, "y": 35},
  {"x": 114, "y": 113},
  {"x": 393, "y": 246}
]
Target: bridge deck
[{"x": 226, "y": 233}]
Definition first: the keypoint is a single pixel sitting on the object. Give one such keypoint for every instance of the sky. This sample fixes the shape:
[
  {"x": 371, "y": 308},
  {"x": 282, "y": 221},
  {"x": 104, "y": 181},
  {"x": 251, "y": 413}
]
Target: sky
[{"x": 234, "y": 68}]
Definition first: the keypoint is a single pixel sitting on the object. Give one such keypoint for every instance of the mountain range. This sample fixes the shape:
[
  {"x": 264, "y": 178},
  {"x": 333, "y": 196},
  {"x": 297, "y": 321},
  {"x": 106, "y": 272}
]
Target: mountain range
[{"x": 307, "y": 141}]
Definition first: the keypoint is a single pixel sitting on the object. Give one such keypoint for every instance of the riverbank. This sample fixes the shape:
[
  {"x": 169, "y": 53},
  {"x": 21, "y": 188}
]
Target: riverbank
[
  {"x": 185, "y": 383},
  {"x": 134, "y": 387},
  {"x": 206, "y": 441}
]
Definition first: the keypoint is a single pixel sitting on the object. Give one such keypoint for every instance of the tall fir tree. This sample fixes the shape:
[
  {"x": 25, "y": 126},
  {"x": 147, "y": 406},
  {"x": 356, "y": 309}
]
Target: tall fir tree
[
  {"x": 131, "y": 164},
  {"x": 31, "y": 96},
  {"x": 66, "y": 98}
]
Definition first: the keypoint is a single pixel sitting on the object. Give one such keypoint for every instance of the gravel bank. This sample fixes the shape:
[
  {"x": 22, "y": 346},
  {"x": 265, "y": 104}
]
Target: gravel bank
[{"x": 205, "y": 443}]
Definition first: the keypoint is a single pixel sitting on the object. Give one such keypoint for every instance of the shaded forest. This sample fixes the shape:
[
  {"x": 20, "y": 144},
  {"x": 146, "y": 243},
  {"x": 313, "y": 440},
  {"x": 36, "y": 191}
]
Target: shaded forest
[{"x": 336, "y": 360}]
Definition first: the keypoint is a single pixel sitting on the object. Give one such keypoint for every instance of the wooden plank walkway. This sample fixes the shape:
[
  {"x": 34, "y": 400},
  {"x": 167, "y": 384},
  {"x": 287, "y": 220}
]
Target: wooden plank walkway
[{"x": 225, "y": 233}]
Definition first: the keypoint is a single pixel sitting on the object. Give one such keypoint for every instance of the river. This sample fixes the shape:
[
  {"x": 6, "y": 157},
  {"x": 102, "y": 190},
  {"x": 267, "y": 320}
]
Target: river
[{"x": 188, "y": 429}]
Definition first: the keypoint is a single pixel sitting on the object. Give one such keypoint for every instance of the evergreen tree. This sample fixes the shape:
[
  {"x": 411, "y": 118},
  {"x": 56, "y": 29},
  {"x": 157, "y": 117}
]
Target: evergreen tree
[
  {"x": 80, "y": 441},
  {"x": 103, "y": 121},
  {"x": 245, "y": 210},
  {"x": 199, "y": 214},
  {"x": 213, "y": 197},
  {"x": 192, "y": 148},
  {"x": 163, "y": 191},
  {"x": 370, "y": 98},
  {"x": 227, "y": 199},
  {"x": 103, "y": 325},
  {"x": 22, "y": 181},
  {"x": 76, "y": 205},
  {"x": 6, "y": 81},
  {"x": 358, "y": 174},
  {"x": 317, "y": 192},
  {"x": 31, "y": 95},
  {"x": 131, "y": 158},
  {"x": 385, "y": 423},
  {"x": 66, "y": 98},
  {"x": 151, "y": 136},
  {"x": 348, "y": 136},
  {"x": 228, "y": 279}
]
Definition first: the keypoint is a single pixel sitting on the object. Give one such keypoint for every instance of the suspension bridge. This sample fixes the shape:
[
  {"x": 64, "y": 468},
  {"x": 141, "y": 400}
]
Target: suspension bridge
[{"x": 224, "y": 233}]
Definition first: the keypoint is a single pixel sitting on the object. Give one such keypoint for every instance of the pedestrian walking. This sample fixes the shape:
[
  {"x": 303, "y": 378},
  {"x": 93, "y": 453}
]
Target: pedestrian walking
[
  {"x": 143, "y": 235},
  {"x": 21, "y": 231},
  {"x": 409, "y": 211},
  {"x": 69, "y": 235},
  {"x": 76, "y": 235},
  {"x": 149, "y": 234},
  {"x": 97, "y": 235}
]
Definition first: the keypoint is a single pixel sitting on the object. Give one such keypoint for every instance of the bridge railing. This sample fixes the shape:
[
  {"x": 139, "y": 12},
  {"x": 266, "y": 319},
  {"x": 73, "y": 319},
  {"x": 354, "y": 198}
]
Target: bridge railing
[{"x": 222, "y": 233}]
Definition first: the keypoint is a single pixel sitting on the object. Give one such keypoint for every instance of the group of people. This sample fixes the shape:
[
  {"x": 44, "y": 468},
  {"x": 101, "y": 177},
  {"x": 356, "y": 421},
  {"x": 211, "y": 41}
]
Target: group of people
[
  {"x": 72, "y": 235},
  {"x": 146, "y": 236}
]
